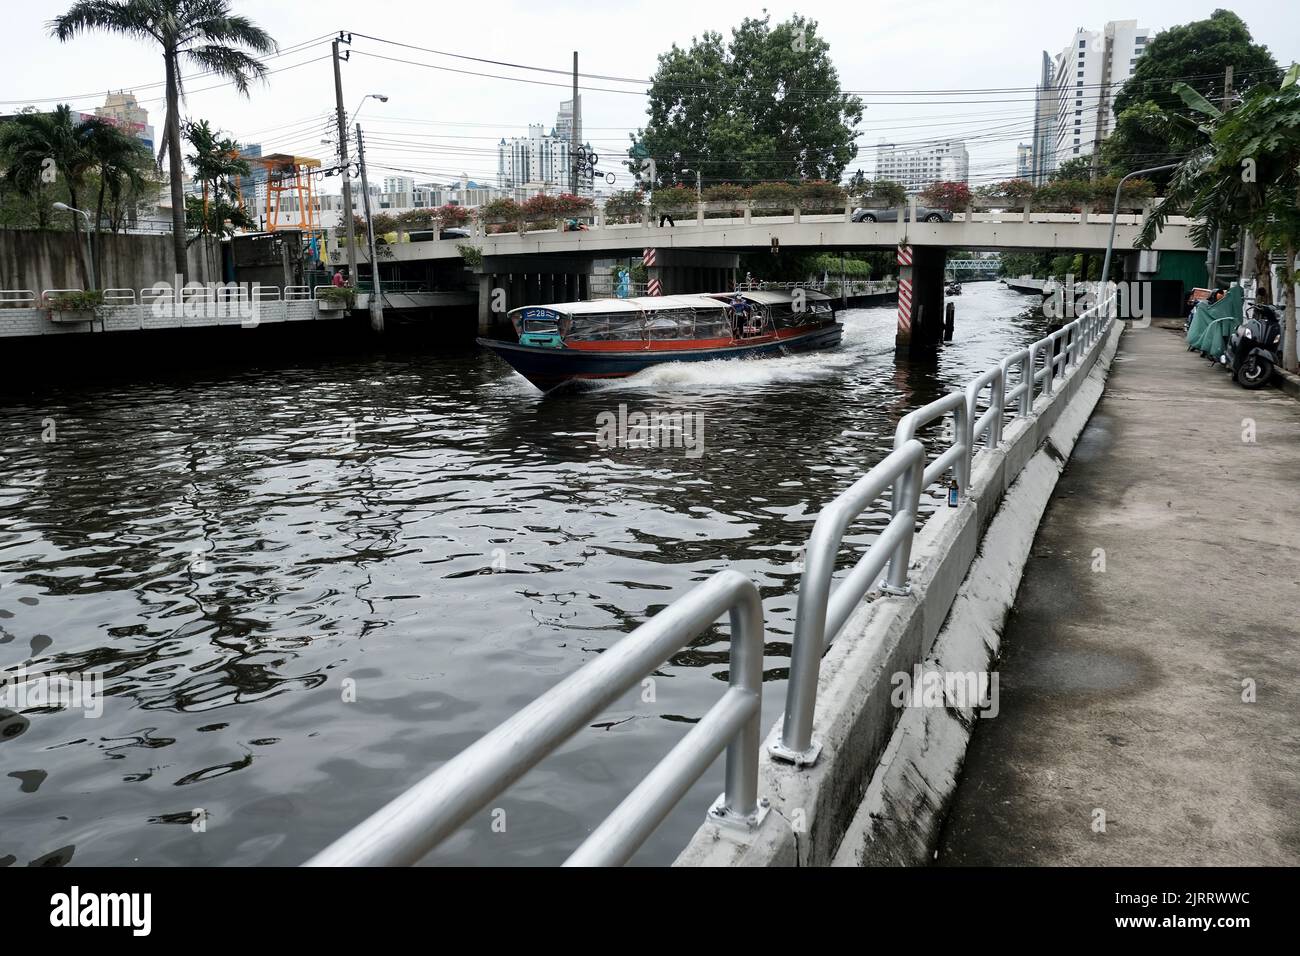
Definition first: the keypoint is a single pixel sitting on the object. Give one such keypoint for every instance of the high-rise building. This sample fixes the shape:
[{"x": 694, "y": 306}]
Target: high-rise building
[
  {"x": 916, "y": 169},
  {"x": 1086, "y": 76},
  {"x": 536, "y": 163},
  {"x": 564, "y": 119},
  {"x": 1043, "y": 149},
  {"x": 399, "y": 184},
  {"x": 253, "y": 186},
  {"x": 1024, "y": 160},
  {"x": 124, "y": 110}
]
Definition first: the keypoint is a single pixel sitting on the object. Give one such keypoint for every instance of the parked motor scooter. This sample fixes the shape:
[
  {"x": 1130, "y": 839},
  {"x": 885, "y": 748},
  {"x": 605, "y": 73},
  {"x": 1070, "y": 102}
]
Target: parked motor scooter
[{"x": 1256, "y": 347}]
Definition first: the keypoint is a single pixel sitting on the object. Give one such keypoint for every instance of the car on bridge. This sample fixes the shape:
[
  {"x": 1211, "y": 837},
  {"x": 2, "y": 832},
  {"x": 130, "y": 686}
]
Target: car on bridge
[{"x": 923, "y": 214}]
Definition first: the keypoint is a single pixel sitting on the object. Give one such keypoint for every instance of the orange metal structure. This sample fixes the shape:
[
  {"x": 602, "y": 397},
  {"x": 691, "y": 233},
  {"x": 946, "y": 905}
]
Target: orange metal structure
[{"x": 289, "y": 174}]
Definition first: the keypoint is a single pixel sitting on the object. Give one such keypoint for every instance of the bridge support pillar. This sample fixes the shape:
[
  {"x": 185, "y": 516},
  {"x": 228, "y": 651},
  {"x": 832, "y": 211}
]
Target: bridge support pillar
[
  {"x": 486, "y": 284},
  {"x": 920, "y": 298}
]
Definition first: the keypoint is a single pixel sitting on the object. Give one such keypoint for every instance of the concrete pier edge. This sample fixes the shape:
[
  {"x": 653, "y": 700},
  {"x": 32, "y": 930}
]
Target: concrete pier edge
[{"x": 876, "y": 757}]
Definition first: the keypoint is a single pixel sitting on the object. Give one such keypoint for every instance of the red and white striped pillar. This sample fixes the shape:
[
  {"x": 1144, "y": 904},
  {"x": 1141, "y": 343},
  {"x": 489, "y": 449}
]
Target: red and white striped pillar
[
  {"x": 903, "y": 338},
  {"x": 654, "y": 283}
]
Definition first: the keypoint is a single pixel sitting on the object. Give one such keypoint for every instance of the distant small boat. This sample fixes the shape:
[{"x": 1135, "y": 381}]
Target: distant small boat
[{"x": 569, "y": 343}]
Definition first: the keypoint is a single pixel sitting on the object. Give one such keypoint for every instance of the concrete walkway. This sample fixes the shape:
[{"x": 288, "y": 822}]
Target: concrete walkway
[{"x": 1121, "y": 689}]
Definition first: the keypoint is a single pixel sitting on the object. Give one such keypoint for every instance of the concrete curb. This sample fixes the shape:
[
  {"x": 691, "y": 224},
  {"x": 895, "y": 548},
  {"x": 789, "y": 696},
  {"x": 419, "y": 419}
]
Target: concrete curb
[
  {"x": 855, "y": 720},
  {"x": 1287, "y": 382}
]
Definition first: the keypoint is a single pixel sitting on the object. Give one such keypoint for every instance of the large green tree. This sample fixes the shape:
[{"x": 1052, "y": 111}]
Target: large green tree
[
  {"x": 1153, "y": 125},
  {"x": 765, "y": 105},
  {"x": 204, "y": 33}
]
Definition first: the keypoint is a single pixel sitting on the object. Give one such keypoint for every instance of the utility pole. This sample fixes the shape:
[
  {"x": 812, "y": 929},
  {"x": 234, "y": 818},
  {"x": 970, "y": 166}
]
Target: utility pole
[
  {"x": 345, "y": 167},
  {"x": 575, "y": 134},
  {"x": 376, "y": 293}
]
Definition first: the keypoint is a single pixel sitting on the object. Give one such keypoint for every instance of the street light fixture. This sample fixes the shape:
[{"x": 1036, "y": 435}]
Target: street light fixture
[
  {"x": 1114, "y": 214},
  {"x": 90, "y": 256},
  {"x": 369, "y": 96},
  {"x": 699, "y": 193}
]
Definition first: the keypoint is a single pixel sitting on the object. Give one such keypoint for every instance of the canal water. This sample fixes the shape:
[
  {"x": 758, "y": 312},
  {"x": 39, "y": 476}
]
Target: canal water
[{"x": 309, "y": 583}]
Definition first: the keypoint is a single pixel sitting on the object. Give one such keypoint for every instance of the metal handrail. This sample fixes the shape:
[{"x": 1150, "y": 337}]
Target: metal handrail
[
  {"x": 1023, "y": 392},
  {"x": 820, "y": 613},
  {"x": 957, "y": 457},
  {"x": 17, "y": 297},
  {"x": 990, "y": 423},
  {"x": 415, "y": 822},
  {"x": 119, "y": 296}
]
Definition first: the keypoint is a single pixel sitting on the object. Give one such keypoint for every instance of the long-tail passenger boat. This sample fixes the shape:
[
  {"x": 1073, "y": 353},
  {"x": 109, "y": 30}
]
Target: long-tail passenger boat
[{"x": 569, "y": 343}]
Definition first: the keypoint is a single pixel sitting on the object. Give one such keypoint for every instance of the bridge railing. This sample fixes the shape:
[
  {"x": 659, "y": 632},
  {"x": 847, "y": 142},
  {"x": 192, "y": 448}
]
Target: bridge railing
[
  {"x": 411, "y": 825},
  {"x": 727, "y": 214}
]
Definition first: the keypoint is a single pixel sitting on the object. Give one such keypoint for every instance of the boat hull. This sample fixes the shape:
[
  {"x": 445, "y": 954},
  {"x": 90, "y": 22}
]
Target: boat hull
[{"x": 550, "y": 368}]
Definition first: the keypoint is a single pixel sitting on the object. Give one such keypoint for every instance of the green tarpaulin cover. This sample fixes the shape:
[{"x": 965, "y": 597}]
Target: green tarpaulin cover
[{"x": 1212, "y": 325}]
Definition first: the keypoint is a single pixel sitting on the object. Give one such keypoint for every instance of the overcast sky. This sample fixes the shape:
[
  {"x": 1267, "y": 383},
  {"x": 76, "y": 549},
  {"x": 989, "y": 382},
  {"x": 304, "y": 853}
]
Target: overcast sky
[{"x": 439, "y": 122}]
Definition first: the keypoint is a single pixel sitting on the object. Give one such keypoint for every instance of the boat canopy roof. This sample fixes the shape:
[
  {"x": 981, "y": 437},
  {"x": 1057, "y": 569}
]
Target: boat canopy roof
[
  {"x": 775, "y": 296},
  {"x": 661, "y": 303}
]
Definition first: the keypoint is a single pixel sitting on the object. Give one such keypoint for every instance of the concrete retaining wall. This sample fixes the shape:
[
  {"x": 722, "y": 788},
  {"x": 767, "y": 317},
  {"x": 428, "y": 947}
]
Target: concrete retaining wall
[
  {"x": 855, "y": 720},
  {"x": 40, "y": 259}
]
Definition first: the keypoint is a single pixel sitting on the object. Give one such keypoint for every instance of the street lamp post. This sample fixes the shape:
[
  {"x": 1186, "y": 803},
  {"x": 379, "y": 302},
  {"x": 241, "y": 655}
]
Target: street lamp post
[
  {"x": 90, "y": 256},
  {"x": 1114, "y": 215},
  {"x": 699, "y": 192}
]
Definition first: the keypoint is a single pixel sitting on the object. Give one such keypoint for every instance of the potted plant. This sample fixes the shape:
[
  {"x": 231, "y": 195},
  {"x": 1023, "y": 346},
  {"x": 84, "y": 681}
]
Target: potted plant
[
  {"x": 882, "y": 194},
  {"x": 73, "y": 306},
  {"x": 820, "y": 194},
  {"x": 625, "y": 206},
  {"x": 501, "y": 215},
  {"x": 779, "y": 198},
  {"x": 336, "y": 298}
]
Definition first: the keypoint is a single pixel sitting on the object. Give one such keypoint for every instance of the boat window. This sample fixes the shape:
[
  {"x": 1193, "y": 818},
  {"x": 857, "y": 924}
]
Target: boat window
[
  {"x": 541, "y": 325},
  {"x": 712, "y": 324},
  {"x": 607, "y": 326},
  {"x": 671, "y": 324}
]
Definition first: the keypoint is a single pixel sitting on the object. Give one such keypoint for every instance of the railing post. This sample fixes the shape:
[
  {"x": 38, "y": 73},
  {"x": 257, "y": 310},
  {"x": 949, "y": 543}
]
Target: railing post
[
  {"x": 1027, "y": 373},
  {"x": 739, "y": 800},
  {"x": 906, "y": 499}
]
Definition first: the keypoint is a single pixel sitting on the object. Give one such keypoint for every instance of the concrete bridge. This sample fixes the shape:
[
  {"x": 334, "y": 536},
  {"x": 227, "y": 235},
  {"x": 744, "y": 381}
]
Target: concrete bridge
[{"x": 533, "y": 265}]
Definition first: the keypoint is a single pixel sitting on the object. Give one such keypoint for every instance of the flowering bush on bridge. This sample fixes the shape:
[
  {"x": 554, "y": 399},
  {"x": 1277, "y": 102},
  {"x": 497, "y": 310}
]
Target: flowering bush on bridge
[
  {"x": 500, "y": 215},
  {"x": 882, "y": 193},
  {"x": 673, "y": 197},
  {"x": 726, "y": 192},
  {"x": 1016, "y": 192},
  {"x": 452, "y": 215},
  {"x": 948, "y": 196},
  {"x": 625, "y": 206},
  {"x": 821, "y": 193}
]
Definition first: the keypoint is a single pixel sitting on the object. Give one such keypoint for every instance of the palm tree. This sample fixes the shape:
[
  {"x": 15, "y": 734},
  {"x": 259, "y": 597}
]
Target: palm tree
[
  {"x": 201, "y": 32},
  {"x": 121, "y": 160},
  {"x": 44, "y": 147}
]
